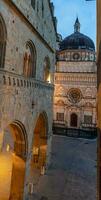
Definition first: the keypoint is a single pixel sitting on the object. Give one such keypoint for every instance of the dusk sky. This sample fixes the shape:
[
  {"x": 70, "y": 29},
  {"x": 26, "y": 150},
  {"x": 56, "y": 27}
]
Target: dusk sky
[{"x": 66, "y": 12}]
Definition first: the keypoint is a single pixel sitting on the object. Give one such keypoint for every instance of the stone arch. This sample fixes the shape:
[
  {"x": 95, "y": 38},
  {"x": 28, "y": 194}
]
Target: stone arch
[
  {"x": 13, "y": 156},
  {"x": 39, "y": 148},
  {"x": 88, "y": 92},
  {"x": 60, "y": 103},
  {"x": 41, "y": 128},
  {"x": 30, "y": 57},
  {"x": 3, "y": 39},
  {"x": 74, "y": 120},
  {"x": 47, "y": 75},
  {"x": 21, "y": 139}
]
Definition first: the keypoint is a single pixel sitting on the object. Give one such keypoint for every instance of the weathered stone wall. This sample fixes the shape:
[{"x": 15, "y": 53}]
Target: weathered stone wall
[
  {"x": 43, "y": 24},
  {"x": 18, "y": 33},
  {"x": 21, "y": 98}
]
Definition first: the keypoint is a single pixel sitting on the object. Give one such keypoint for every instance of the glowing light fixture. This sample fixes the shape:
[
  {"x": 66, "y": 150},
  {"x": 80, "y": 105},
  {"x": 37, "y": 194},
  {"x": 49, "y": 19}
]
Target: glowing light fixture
[
  {"x": 35, "y": 151},
  {"x": 8, "y": 148},
  {"x": 42, "y": 170},
  {"x": 49, "y": 78}
]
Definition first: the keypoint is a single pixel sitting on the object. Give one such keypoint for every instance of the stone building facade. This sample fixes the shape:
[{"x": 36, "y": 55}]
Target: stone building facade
[
  {"x": 75, "y": 82},
  {"x": 27, "y": 57}
]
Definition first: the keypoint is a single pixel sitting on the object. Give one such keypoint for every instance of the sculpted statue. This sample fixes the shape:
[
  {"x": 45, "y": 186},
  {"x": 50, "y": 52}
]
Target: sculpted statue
[{"x": 27, "y": 62}]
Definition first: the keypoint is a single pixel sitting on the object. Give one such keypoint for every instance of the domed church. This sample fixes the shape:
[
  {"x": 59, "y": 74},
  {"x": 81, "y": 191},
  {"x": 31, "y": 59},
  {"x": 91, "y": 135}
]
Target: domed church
[{"x": 75, "y": 82}]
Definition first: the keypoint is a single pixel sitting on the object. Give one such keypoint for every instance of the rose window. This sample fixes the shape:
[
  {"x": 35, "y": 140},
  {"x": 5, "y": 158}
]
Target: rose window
[{"x": 74, "y": 95}]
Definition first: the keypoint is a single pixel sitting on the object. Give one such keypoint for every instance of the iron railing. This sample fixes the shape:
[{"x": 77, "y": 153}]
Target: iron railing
[{"x": 76, "y": 133}]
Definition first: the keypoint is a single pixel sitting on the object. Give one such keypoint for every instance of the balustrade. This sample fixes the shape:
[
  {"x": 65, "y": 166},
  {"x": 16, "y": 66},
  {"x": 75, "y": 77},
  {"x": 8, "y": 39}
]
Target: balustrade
[{"x": 15, "y": 80}]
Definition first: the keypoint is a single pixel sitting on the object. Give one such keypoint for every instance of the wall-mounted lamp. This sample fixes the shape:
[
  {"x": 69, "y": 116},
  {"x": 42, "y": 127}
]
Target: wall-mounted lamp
[{"x": 8, "y": 148}]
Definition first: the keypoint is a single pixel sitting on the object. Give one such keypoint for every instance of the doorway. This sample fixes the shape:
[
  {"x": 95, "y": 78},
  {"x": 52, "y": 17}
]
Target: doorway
[{"x": 74, "y": 120}]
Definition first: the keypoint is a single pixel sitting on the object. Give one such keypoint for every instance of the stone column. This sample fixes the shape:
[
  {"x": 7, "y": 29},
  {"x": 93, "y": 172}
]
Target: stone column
[{"x": 27, "y": 176}]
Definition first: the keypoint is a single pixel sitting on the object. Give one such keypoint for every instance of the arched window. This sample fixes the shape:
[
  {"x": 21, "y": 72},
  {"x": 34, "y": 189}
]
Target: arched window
[
  {"x": 3, "y": 37},
  {"x": 29, "y": 60},
  {"x": 47, "y": 76}
]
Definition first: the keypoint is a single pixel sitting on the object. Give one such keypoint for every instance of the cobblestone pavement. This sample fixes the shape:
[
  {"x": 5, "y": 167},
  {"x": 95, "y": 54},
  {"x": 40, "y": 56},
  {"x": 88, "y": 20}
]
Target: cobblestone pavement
[{"x": 72, "y": 173}]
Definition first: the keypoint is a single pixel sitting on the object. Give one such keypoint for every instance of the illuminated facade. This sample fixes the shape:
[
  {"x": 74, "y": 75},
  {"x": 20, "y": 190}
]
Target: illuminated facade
[
  {"x": 27, "y": 57},
  {"x": 75, "y": 82}
]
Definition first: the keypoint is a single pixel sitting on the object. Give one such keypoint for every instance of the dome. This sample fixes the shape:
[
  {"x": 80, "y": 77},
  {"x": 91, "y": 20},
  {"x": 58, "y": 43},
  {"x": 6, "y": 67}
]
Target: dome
[{"x": 77, "y": 40}]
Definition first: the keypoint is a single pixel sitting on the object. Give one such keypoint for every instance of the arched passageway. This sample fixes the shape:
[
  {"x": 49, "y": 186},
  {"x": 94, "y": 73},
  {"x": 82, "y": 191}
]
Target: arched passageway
[
  {"x": 39, "y": 149},
  {"x": 12, "y": 162},
  {"x": 74, "y": 120}
]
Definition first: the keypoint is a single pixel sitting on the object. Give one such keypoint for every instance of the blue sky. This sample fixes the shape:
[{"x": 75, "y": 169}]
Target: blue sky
[{"x": 66, "y": 12}]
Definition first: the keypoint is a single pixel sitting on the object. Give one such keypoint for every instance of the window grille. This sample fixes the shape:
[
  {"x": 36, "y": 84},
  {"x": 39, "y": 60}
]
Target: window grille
[{"x": 60, "y": 116}]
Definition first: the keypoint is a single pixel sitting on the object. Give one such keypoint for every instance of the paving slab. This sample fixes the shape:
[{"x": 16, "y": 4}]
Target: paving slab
[{"x": 72, "y": 173}]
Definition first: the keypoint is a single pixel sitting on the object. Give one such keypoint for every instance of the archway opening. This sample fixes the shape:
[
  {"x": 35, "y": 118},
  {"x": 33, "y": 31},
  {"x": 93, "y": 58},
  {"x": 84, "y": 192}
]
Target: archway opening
[
  {"x": 74, "y": 120},
  {"x": 12, "y": 162},
  {"x": 39, "y": 150}
]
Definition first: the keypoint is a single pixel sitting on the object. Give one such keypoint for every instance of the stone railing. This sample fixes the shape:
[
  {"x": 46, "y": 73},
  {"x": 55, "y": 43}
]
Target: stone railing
[
  {"x": 15, "y": 80},
  {"x": 85, "y": 125},
  {"x": 59, "y": 123}
]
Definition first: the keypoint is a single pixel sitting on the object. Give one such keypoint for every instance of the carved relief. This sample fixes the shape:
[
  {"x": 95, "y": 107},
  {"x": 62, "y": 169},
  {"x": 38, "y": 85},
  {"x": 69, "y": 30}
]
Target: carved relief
[
  {"x": 29, "y": 67},
  {"x": 88, "y": 92},
  {"x": 60, "y": 91},
  {"x": 60, "y": 103},
  {"x": 74, "y": 95}
]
